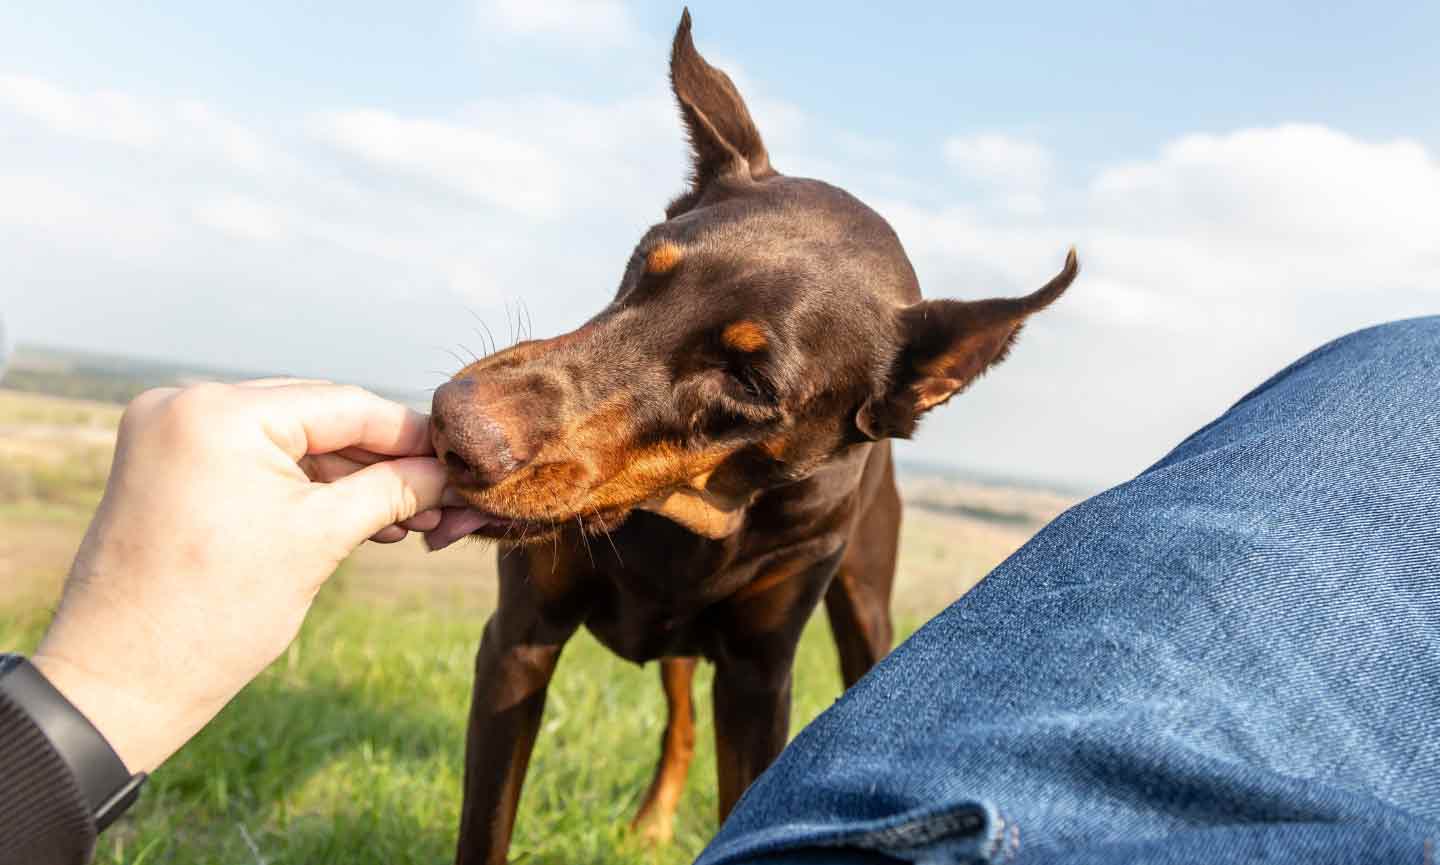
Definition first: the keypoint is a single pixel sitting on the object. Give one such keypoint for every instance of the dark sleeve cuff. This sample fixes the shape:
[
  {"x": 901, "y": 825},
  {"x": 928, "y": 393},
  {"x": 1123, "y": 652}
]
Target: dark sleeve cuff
[{"x": 45, "y": 819}]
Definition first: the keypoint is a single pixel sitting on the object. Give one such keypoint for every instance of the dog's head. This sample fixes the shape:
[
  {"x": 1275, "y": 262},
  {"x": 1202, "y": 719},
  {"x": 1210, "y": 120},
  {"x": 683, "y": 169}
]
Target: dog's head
[{"x": 767, "y": 326}]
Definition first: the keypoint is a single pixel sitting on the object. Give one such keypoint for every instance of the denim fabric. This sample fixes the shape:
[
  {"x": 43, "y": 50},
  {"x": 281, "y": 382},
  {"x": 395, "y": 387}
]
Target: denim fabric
[{"x": 1234, "y": 657}]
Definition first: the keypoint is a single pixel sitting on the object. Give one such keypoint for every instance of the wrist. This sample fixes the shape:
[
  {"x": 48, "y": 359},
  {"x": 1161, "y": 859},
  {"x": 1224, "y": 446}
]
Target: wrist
[
  {"x": 59, "y": 739},
  {"x": 142, "y": 732}
]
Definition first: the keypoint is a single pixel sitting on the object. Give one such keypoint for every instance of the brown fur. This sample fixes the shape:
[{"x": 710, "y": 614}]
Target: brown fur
[{"x": 689, "y": 473}]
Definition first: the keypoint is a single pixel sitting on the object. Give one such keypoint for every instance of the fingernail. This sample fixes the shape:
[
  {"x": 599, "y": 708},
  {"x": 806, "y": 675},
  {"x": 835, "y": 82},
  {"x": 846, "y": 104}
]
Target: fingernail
[{"x": 451, "y": 499}]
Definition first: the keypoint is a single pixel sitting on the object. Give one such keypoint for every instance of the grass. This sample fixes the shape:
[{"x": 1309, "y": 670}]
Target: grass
[
  {"x": 54, "y": 453},
  {"x": 350, "y": 748}
]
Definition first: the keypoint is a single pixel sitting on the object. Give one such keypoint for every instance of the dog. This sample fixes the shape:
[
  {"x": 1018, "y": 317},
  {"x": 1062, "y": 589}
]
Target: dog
[{"x": 692, "y": 470}]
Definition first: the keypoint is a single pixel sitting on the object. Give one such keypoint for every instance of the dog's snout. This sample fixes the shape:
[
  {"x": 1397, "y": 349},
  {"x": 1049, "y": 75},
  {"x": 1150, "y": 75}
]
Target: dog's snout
[{"x": 471, "y": 438}]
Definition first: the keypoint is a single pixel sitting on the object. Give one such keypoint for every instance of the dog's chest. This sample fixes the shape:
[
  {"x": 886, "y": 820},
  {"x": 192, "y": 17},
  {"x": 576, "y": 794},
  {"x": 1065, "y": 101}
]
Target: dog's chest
[
  {"x": 641, "y": 616},
  {"x": 656, "y": 590},
  {"x": 637, "y": 633}
]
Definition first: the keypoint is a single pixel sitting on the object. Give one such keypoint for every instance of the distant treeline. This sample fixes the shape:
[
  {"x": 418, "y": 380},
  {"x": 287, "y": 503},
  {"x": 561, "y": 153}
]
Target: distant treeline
[
  {"x": 983, "y": 513},
  {"x": 79, "y": 383},
  {"x": 119, "y": 379}
]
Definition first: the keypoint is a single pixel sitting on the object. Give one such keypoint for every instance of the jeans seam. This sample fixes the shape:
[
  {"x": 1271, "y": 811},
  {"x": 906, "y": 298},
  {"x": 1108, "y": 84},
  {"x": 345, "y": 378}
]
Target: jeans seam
[
  {"x": 1005, "y": 844},
  {"x": 992, "y": 847}
]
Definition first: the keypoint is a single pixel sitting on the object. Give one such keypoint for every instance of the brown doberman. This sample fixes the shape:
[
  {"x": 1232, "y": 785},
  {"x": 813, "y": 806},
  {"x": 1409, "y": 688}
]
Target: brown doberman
[{"x": 692, "y": 470}]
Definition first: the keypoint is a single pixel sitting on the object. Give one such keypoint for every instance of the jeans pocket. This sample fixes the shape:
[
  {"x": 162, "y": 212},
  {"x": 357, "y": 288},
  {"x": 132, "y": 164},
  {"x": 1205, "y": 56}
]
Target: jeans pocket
[
  {"x": 968, "y": 833},
  {"x": 953, "y": 835}
]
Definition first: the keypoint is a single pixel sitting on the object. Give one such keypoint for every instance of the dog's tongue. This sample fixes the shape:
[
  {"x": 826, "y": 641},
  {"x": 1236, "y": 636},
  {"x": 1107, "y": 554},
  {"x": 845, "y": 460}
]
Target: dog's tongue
[{"x": 455, "y": 523}]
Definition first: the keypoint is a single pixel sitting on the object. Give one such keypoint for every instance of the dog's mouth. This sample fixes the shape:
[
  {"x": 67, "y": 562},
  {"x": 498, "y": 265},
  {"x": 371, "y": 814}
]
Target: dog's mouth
[{"x": 459, "y": 523}]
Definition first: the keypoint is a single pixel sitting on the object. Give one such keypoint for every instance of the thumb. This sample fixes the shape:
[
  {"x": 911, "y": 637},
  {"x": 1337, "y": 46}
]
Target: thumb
[{"x": 361, "y": 504}]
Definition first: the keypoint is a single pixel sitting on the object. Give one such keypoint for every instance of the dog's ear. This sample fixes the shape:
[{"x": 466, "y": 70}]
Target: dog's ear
[
  {"x": 723, "y": 138},
  {"x": 947, "y": 345}
]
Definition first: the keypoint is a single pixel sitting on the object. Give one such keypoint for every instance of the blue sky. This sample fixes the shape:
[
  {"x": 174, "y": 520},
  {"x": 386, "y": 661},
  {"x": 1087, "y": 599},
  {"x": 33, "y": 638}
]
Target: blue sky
[{"x": 336, "y": 189}]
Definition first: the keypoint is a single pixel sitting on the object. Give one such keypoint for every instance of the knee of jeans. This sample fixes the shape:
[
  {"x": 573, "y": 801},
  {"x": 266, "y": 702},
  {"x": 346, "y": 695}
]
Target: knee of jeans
[
  {"x": 1398, "y": 335},
  {"x": 1400, "y": 358},
  {"x": 1387, "y": 364}
]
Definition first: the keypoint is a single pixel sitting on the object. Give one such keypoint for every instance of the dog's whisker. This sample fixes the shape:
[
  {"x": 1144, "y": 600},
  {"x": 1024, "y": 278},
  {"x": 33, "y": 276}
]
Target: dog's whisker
[
  {"x": 583, "y": 539},
  {"x": 458, "y": 359},
  {"x": 611, "y": 539},
  {"x": 529, "y": 325},
  {"x": 554, "y": 552},
  {"x": 493, "y": 346}
]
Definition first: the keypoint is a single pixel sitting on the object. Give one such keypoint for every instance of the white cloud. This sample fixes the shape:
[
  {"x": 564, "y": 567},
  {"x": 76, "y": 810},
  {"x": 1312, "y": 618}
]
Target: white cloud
[
  {"x": 186, "y": 128},
  {"x": 1269, "y": 217},
  {"x": 481, "y": 162},
  {"x": 603, "y": 20},
  {"x": 1001, "y": 160},
  {"x": 244, "y": 218},
  {"x": 1203, "y": 269},
  {"x": 102, "y": 115},
  {"x": 199, "y": 128},
  {"x": 545, "y": 158}
]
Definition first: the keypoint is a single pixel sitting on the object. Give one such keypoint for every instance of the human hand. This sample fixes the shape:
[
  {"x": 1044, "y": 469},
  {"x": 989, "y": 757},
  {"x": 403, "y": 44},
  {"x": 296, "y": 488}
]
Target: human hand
[{"x": 227, "y": 508}]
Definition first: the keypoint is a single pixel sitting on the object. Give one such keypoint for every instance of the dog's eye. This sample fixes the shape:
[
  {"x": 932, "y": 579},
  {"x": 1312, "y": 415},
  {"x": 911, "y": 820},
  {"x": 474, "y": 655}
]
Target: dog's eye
[
  {"x": 747, "y": 382},
  {"x": 752, "y": 382}
]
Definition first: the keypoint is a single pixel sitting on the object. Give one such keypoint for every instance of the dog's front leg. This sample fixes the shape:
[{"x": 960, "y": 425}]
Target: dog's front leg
[
  {"x": 752, "y": 722},
  {"x": 517, "y": 657},
  {"x": 760, "y": 632}
]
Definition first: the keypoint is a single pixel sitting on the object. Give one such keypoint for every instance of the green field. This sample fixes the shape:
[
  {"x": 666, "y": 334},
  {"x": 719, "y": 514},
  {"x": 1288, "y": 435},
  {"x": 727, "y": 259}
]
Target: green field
[{"x": 350, "y": 748}]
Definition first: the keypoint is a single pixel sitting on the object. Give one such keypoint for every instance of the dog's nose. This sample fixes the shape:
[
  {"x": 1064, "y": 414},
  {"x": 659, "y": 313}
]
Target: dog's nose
[{"x": 471, "y": 441}]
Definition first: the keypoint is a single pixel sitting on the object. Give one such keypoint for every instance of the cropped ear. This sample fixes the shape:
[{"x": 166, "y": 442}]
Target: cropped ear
[
  {"x": 723, "y": 138},
  {"x": 949, "y": 344}
]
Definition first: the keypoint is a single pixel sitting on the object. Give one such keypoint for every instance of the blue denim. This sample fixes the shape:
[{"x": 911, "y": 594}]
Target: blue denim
[{"x": 1234, "y": 657}]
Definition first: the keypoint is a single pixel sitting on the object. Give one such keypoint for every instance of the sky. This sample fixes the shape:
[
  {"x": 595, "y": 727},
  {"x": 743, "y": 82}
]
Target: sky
[{"x": 351, "y": 189}]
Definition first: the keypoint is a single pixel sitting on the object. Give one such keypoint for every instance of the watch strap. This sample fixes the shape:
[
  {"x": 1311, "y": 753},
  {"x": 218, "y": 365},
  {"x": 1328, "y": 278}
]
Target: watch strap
[{"x": 104, "y": 781}]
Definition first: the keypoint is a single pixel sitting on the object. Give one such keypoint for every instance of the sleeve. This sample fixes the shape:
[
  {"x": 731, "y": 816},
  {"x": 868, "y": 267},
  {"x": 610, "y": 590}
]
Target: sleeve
[{"x": 45, "y": 819}]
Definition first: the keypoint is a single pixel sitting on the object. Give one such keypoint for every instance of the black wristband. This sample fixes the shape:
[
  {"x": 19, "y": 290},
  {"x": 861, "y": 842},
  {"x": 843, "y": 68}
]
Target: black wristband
[{"x": 105, "y": 782}]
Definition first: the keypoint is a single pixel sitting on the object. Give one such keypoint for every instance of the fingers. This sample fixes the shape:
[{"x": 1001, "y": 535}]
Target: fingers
[
  {"x": 365, "y": 503},
  {"x": 328, "y": 468},
  {"x": 319, "y": 418},
  {"x": 425, "y": 521},
  {"x": 389, "y": 535},
  {"x": 364, "y": 457}
]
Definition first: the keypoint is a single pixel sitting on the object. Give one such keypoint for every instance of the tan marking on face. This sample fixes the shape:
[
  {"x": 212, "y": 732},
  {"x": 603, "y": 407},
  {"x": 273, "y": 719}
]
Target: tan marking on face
[
  {"x": 746, "y": 336},
  {"x": 702, "y": 513},
  {"x": 663, "y": 258},
  {"x": 775, "y": 446},
  {"x": 655, "y": 471}
]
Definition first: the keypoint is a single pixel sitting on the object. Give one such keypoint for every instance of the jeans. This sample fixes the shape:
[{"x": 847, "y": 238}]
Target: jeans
[{"x": 1234, "y": 657}]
